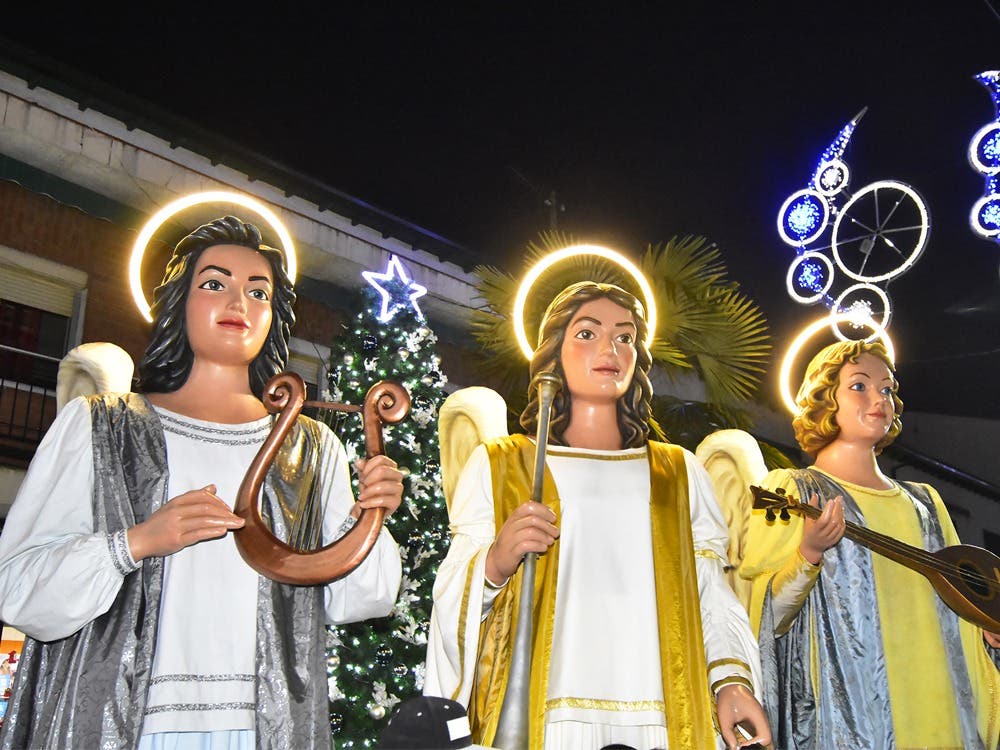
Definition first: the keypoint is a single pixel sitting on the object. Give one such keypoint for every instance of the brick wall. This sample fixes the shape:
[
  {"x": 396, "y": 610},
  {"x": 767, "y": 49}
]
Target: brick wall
[{"x": 39, "y": 225}]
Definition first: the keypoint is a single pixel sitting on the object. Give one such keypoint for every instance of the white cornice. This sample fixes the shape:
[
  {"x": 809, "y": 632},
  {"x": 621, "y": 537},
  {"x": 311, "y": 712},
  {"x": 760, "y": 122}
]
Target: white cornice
[{"x": 100, "y": 153}]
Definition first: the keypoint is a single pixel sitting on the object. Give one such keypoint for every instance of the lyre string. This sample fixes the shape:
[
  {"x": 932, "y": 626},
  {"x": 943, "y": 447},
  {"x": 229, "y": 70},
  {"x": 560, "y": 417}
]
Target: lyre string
[{"x": 917, "y": 553}]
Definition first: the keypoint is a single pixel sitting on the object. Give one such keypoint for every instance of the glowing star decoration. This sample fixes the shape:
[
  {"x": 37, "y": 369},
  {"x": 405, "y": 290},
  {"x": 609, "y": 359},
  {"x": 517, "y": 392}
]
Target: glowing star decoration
[
  {"x": 195, "y": 199},
  {"x": 397, "y": 296},
  {"x": 569, "y": 252},
  {"x": 984, "y": 156},
  {"x": 856, "y": 318},
  {"x": 875, "y": 234}
]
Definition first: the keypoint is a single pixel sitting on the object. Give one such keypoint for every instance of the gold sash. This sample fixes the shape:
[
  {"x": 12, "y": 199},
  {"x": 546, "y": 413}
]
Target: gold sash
[{"x": 690, "y": 706}]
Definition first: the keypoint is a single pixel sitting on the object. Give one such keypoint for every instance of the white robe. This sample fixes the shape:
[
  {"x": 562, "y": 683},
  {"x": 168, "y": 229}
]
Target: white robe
[
  {"x": 56, "y": 574},
  {"x": 604, "y": 678}
]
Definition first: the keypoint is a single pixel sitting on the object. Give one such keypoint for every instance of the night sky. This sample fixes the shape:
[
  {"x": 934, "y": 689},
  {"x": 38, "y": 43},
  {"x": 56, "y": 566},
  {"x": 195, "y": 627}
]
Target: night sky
[{"x": 647, "y": 122}]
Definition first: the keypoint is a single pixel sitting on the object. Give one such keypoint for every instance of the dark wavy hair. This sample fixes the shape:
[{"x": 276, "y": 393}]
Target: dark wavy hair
[
  {"x": 634, "y": 407},
  {"x": 816, "y": 425},
  {"x": 168, "y": 359}
]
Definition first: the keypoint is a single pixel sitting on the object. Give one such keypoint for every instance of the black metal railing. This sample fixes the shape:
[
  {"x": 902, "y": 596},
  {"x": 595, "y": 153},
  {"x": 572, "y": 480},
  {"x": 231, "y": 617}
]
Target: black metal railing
[
  {"x": 27, "y": 401},
  {"x": 901, "y": 456},
  {"x": 908, "y": 457}
]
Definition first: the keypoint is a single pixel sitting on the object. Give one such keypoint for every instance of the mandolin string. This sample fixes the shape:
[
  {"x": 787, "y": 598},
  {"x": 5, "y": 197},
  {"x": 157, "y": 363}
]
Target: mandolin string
[{"x": 917, "y": 553}]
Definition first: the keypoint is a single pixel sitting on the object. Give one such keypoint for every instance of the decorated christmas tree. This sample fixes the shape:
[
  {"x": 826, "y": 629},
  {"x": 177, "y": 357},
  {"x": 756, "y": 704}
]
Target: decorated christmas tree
[{"x": 374, "y": 665}]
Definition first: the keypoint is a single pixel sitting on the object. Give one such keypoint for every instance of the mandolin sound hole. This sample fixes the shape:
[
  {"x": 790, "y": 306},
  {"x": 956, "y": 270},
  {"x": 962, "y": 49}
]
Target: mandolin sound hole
[{"x": 974, "y": 579}]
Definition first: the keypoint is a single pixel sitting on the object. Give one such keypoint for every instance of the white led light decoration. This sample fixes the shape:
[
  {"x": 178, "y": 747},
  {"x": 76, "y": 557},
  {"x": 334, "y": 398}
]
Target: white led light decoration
[
  {"x": 860, "y": 311},
  {"x": 195, "y": 199},
  {"x": 883, "y": 231},
  {"x": 811, "y": 330},
  {"x": 390, "y": 306},
  {"x": 822, "y": 181},
  {"x": 796, "y": 265},
  {"x": 569, "y": 252}
]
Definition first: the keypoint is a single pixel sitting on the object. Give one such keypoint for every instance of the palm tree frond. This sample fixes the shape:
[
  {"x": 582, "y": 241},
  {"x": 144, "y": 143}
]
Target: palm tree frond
[{"x": 704, "y": 321}]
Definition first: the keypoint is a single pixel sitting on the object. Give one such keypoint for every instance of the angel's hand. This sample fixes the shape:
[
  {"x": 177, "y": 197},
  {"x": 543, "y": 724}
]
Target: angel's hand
[
  {"x": 530, "y": 528},
  {"x": 819, "y": 534}
]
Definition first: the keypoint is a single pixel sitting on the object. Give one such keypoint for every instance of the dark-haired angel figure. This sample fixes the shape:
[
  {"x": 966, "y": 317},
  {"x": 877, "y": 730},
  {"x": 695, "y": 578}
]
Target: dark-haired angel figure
[
  {"x": 858, "y": 650},
  {"x": 146, "y": 627},
  {"x": 638, "y": 638}
]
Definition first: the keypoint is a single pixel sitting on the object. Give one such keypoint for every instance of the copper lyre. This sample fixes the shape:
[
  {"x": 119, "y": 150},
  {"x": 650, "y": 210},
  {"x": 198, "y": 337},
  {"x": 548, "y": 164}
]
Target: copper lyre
[{"x": 385, "y": 403}]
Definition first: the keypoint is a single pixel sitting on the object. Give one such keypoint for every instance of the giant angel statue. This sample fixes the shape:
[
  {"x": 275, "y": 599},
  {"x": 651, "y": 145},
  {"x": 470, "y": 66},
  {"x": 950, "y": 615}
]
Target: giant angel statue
[{"x": 637, "y": 638}]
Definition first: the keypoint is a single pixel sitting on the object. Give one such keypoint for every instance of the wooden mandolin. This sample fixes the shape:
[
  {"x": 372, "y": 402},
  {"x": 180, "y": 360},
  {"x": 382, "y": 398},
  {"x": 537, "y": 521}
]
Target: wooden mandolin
[{"x": 967, "y": 578}]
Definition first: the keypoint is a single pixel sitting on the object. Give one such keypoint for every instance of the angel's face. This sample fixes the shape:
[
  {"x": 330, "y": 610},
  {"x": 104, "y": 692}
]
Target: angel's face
[
  {"x": 865, "y": 408},
  {"x": 228, "y": 310},
  {"x": 598, "y": 351}
]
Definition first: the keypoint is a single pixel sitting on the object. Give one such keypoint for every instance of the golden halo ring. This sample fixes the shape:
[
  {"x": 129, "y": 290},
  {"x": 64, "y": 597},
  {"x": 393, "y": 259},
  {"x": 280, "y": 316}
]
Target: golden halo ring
[
  {"x": 878, "y": 331},
  {"x": 195, "y": 199},
  {"x": 568, "y": 252}
]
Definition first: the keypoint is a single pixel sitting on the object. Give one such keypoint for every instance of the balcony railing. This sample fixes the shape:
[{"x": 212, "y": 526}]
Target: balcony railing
[{"x": 27, "y": 402}]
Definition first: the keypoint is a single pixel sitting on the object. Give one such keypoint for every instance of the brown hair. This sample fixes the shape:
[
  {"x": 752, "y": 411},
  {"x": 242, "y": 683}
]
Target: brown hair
[
  {"x": 169, "y": 358},
  {"x": 634, "y": 407},
  {"x": 815, "y": 425}
]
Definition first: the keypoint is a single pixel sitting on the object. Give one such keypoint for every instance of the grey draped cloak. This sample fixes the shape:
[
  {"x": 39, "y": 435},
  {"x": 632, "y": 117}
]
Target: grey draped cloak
[
  {"x": 852, "y": 708},
  {"x": 89, "y": 690}
]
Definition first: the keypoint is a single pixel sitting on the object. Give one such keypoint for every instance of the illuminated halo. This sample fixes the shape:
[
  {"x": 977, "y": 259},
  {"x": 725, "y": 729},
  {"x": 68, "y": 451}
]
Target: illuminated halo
[
  {"x": 568, "y": 252},
  {"x": 811, "y": 330},
  {"x": 796, "y": 264},
  {"x": 211, "y": 196}
]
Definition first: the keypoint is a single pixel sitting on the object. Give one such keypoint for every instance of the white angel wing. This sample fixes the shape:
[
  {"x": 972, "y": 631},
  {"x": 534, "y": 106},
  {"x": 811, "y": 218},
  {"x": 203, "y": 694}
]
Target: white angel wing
[
  {"x": 468, "y": 417},
  {"x": 733, "y": 461},
  {"x": 88, "y": 369}
]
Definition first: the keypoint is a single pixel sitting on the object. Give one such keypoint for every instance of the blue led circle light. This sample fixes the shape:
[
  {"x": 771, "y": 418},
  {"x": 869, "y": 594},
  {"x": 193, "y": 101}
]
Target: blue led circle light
[
  {"x": 831, "y": 177},
  {"x": 984, "y": 149},
  {"x": 803, "y": 217},
  {"x": 809, "y": 277},
  {"x": 985, "y": 216}
]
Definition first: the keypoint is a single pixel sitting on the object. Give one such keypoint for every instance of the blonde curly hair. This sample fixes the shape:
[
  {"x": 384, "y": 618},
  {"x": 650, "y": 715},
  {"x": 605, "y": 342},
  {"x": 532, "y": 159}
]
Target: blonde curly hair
[{"x": 815, "y": 425}]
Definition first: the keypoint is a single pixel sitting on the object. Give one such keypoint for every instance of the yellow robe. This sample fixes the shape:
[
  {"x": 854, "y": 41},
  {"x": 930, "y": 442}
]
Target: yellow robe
[{"x": 691, "y": 719}]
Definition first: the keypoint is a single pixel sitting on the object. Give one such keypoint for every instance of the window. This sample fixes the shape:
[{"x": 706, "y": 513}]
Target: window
[{"x": 41, "y": 318}]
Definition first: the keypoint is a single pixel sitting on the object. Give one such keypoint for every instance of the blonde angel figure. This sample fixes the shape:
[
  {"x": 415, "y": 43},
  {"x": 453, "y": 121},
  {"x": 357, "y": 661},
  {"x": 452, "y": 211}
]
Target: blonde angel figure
[{"x": 857, "y": 650}]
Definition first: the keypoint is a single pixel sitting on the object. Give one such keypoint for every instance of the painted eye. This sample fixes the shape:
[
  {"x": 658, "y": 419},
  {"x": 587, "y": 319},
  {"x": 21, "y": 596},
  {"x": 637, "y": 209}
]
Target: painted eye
[
  {"x": 859, "y": 386},
  {"x": 260, "y": 294},
  {"x": 626, "y": 338},
  {"x": 586, "y": 334},
  {"x": 213, "y": 285}
]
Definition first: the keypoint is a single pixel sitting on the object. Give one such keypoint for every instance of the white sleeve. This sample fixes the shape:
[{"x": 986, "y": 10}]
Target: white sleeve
[
  {"x": 731, "y": 650},
  {"x": 56, "y": 573},
  {"x": 461, "y": 600},
  {"x": 369, "y": 590}
]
